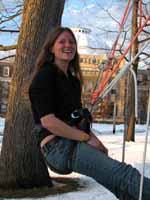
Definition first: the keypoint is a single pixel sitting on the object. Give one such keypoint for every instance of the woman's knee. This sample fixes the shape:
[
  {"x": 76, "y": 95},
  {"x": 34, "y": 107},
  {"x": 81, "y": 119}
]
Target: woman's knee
[{"x": 87, "y": 159}]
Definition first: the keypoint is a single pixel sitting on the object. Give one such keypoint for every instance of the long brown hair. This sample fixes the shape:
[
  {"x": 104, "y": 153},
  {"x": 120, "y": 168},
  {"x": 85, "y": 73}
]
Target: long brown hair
[{"x": 46, "y": 55}]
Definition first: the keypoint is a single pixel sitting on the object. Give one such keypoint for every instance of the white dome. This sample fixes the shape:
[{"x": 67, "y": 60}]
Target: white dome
[
  {"x": 81, "y": 35},
  {"x": 86, "y": 41}
]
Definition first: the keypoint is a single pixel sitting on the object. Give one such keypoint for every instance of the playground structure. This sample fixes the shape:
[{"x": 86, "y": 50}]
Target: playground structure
[
  {"x": 106, "y": 81},
  {"x": 113, "y": 103}
]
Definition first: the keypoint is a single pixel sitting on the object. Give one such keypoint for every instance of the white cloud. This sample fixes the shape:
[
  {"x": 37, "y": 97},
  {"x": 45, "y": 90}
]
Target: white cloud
[
  {"x": 90, "y": 6},
  {"x": 75, "y": 12},
  {"x": 96, "y": 17}
]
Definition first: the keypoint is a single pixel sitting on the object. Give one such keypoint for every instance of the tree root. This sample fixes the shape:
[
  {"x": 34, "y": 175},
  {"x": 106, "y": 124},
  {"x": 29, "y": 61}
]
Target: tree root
[{"x": 60, "y": 185}]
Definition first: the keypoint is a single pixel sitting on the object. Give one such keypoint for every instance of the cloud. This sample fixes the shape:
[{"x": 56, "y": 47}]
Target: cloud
[
  {"x": 75, "y": 12},
  {"x": 90, "y": 6},
  {"x": 96, "y": 17}
]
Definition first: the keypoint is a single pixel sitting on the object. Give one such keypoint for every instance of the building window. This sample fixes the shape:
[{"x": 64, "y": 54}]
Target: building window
[
  {"x": 6, "y": 71},
  {"x": 113, "y": 91},
  {"x": 94, "y": 61},
  {"x": 84, "y": 60},
  {"x": 4, "y": 92},
  {"x": 3, "y": 108},
  {"x": 5, "y": 85}
]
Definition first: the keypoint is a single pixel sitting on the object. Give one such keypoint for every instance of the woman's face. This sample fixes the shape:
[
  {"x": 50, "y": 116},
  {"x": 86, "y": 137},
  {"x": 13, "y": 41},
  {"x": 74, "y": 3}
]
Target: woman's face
[{"x": 64, "y": 48}]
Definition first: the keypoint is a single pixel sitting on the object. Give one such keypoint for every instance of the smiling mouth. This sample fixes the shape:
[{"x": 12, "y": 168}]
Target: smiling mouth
[{"x": 67, "y": 50}]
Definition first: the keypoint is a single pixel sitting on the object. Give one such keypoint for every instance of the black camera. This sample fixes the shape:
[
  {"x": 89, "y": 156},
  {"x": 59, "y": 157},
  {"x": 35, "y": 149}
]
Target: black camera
[{"x": 81, "y": 118}]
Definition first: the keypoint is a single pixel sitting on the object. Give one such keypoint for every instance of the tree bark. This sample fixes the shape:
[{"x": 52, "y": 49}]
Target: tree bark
[
  {"x": 131, "y": 90},
  {"x": 21, "y": 163}
]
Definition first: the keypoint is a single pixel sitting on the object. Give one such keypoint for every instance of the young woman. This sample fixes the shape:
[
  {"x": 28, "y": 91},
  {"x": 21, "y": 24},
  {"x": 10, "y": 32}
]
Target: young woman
[{"x": 55, "y": 95}]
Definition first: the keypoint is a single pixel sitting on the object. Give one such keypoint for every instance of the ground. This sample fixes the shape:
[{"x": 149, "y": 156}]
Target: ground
[{"x": 85, "y": 188}]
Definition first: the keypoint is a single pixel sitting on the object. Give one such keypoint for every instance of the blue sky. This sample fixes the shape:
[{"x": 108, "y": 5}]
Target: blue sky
[
  {"x": 85, "y": 12},
  {"x": 80, "y": 13},
  {"x": 93, "y": 14},
  {"x": 76, "y": 13}
]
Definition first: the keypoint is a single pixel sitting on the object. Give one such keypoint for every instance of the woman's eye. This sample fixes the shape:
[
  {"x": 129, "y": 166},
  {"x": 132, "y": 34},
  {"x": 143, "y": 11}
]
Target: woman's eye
[
  {"x": 65, "y": 41},
  {"x": 61, "y": 41}
]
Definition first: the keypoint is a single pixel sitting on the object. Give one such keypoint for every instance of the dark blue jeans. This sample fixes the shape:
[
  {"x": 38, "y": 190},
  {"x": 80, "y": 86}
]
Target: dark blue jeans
[{"x": 121, "y": 179}]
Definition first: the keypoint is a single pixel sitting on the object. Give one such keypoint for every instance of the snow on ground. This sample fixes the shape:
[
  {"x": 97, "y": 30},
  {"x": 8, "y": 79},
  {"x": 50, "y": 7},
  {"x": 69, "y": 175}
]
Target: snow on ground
[{"x": 133, "y": 155}]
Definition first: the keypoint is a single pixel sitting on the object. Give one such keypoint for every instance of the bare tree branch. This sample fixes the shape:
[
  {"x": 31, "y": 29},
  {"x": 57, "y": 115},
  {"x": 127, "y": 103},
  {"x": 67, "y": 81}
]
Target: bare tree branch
[
  {"x": 144, "y": 40},
  {"x": 146, "y": 32},
  {"x": 102, "y": 49},
  {"x": 121, "y": 53},
  {"x": 7, "y": 48},
  {"x": 111, "y": 16},
  {"x": 11, "y": 56},
  {"x": 124, "y": 39},
  {"x": 146, "y": 54},
  {"x": 11, "y": 17},
  {"x": 9, "y": 30}
]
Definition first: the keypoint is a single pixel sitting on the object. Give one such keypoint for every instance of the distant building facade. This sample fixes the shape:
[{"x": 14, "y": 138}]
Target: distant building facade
[
  {"x": 6, "y": 69},
  {"x": 143, "y": 78}
]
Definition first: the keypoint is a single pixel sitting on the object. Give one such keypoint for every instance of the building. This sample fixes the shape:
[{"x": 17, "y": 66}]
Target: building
[
  {"x": 87, "y": 44},
  {"x": 143, "y": 94},
  {"x": 6, "y": 69}
]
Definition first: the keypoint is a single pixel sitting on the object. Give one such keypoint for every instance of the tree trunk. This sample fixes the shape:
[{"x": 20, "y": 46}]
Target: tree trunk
[
  {"x": 134, "y": 51},
  {"x": 21, "y": 163}
]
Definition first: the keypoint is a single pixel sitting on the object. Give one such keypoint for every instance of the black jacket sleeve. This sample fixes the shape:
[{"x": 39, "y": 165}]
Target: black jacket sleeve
[{"x": 42, "y": 92}]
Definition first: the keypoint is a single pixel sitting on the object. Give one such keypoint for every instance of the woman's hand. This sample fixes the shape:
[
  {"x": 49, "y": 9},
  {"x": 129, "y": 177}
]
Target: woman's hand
[{"x": 95, "y": 142}]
